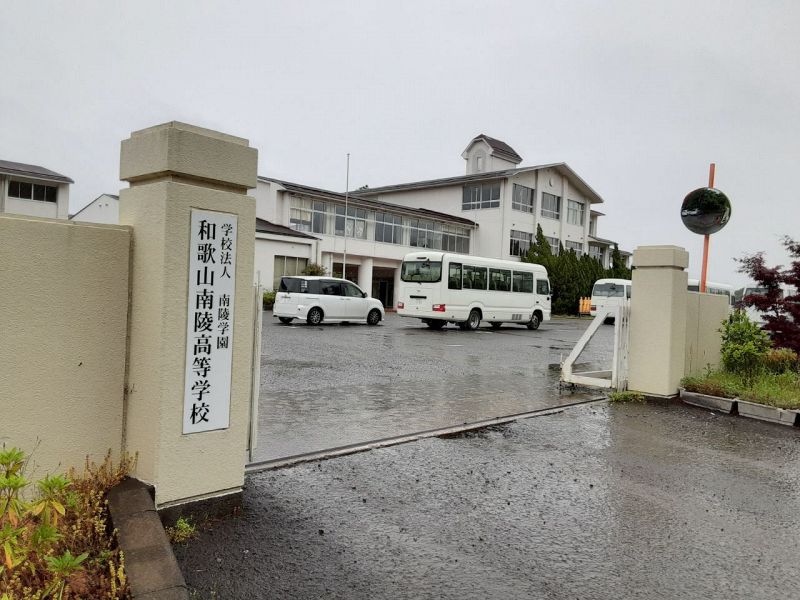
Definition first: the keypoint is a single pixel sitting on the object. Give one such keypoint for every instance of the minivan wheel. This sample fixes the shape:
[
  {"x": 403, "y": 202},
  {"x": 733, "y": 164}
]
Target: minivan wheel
[
  {"x": 534, "y": 322},
  {"x": 314, "y": 316},
  {"x": 285, "y": 320},
  {"x": 374, "y": 317},
  {"x": 473, "y": 321}
]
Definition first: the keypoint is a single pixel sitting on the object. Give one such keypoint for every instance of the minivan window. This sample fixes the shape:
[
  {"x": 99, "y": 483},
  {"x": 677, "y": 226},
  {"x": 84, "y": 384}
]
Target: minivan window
[
  {"x": 543, "y": 287},
  {"x": 331, "y": 288},
  {"x": 424, "y": 271},
  {"x": 293, "y": 285},
  {"x": 352, "y": 291}
]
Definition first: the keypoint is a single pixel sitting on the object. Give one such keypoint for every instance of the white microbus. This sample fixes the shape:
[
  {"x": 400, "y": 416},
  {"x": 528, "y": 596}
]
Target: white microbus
[
  {"x": 441, "y": 288},
  {"x": 608, "y": 293},
  {"x": 722, "y": 289},
  {"x": 755, "y": 315}
]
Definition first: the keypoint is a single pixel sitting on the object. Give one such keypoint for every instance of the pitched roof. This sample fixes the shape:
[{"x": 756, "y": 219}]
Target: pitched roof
[
  {"x": 263, "y": 226},
  {"x": 8, "y": 167},
  {"x": 499, "y": 148},
  {"x": 599, "y": 240},
  {"x": 561, "y": 167},
  {"x": 73, "y": 215},
  {"x": 358, "y": 199}
]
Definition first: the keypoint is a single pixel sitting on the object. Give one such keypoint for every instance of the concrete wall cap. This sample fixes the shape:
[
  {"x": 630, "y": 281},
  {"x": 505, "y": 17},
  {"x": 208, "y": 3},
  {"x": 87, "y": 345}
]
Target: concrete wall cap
[
  {"x": 660, "y": 256},
  {"x": 181, "y": 150},
  {"x": 194, "y": 128}
]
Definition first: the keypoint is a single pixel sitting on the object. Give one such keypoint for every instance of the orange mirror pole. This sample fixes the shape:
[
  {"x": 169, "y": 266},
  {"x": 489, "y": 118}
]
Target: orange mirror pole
[{"x": 704, "y": 270}]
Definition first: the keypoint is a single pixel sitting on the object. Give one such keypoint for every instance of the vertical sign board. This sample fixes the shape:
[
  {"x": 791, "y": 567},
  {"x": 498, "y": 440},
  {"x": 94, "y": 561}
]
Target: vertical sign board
[{"x": 209, "y": 325}]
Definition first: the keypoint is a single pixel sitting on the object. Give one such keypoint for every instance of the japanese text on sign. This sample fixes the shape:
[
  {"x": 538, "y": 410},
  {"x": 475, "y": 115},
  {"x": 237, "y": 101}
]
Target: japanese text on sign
[{"x": 209, "y": 334}]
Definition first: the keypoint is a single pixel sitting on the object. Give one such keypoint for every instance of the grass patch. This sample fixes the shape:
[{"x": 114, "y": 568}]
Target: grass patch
[
  {"x": 624, "y": 397},
  {"x": 774, "y": 389},
  {"x": 183, "y": 530}
]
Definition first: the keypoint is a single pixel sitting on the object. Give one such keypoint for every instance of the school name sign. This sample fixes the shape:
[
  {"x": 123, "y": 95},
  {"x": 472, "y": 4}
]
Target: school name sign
[{"x": 209, "y": 326}]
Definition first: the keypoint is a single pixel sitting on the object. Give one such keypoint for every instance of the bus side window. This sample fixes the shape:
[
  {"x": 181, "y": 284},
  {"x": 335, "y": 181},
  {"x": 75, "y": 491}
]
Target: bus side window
[
  {"x": 454, "y": 277},
  {"x": 628, "y": 292}
]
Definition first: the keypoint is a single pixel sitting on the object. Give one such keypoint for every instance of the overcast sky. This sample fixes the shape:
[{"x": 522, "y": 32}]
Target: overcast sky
[{"x": 637, "y": 98}]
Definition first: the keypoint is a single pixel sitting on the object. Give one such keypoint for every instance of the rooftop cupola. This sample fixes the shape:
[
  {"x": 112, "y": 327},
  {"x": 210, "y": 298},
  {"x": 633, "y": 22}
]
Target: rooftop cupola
[{"x": 485, "y": 154}]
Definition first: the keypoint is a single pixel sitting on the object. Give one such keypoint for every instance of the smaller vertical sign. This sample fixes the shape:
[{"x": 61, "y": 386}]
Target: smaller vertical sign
[{"x": 209, "y": 326}]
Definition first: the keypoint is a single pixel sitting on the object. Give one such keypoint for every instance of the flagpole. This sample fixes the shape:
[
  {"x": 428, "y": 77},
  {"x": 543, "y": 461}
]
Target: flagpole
[{"x": 346, "y": 194}]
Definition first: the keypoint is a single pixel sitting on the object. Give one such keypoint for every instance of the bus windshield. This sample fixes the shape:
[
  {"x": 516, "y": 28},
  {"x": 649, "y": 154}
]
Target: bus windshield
[
  {"x": 608, "y": 290},
  {"x": 424, "y": 271}
]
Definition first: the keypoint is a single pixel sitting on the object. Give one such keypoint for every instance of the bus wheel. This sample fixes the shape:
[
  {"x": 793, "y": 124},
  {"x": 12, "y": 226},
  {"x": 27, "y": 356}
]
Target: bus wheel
[
  {"x": 496, "y": 325},
  {"x": 435, "y": 324},
  {"x": 473, "y": 321},
  {"x": 534, "y": 322}
]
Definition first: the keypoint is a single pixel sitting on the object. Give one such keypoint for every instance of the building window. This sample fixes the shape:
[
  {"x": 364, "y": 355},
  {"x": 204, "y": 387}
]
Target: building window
[
  {"x": 596, "y": 252},
  {"x": 32, "y": 191},
  {"x": 455, "y": 239},
  {"x": 593, "y": 226},
  {"x": 287, "y": 265},
  {"x": 424, "y": 234},
  {"x": 520, "y": 243},
  {"x": 308, "y": 215},
  {"x": 388, "y": 228},
  {"x": 551, "y": 206},
  {"x": 354, "y": 224},
  {"x": 553, "y": 244},
  {"x": 481, "y": 195},
  {"x": 479, "y": 163},
  {"x": 576, "y": 246},
  {"x": 523, "y": 198},
  {"x": 574, "y": 212}
]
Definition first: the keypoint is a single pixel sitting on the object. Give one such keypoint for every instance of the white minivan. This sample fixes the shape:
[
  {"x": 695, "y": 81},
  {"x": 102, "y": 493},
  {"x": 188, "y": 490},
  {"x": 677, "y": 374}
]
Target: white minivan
[
  {"x": 608, "y": 294},
  {"x": 328, "y": 299}
]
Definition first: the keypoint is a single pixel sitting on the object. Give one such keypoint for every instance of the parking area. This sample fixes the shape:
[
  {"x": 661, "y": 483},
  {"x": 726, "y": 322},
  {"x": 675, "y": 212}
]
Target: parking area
[
  {"x": 599, "y": 501},
  {"x": 330, "y": 386}
]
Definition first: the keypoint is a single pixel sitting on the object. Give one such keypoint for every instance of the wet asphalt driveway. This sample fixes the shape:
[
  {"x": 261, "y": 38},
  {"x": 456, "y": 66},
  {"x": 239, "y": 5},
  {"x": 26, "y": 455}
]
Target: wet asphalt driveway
[
  {"x": 596, "y": 502},
  {"x": 337, "y": 385}
]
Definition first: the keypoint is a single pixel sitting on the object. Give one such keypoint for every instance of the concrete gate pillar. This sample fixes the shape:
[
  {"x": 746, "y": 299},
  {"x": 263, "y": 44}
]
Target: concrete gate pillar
[
  {"x": 191, "y": 316},
  {"x": 365, "y": 275},
  {"x": 656, "y": 354}
]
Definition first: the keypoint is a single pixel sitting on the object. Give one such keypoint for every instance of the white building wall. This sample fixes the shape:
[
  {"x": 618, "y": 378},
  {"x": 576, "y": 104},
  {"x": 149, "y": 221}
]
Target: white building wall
[
  {"x": 266, "y": 202},
  {"x": 269, "y": 246},
  {"x": 32, "y": 208},
  {"x": 103, "y": 209}
]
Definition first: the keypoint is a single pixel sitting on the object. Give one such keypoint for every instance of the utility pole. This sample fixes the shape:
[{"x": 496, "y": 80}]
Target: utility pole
[{"x": 346, "y": 194}]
